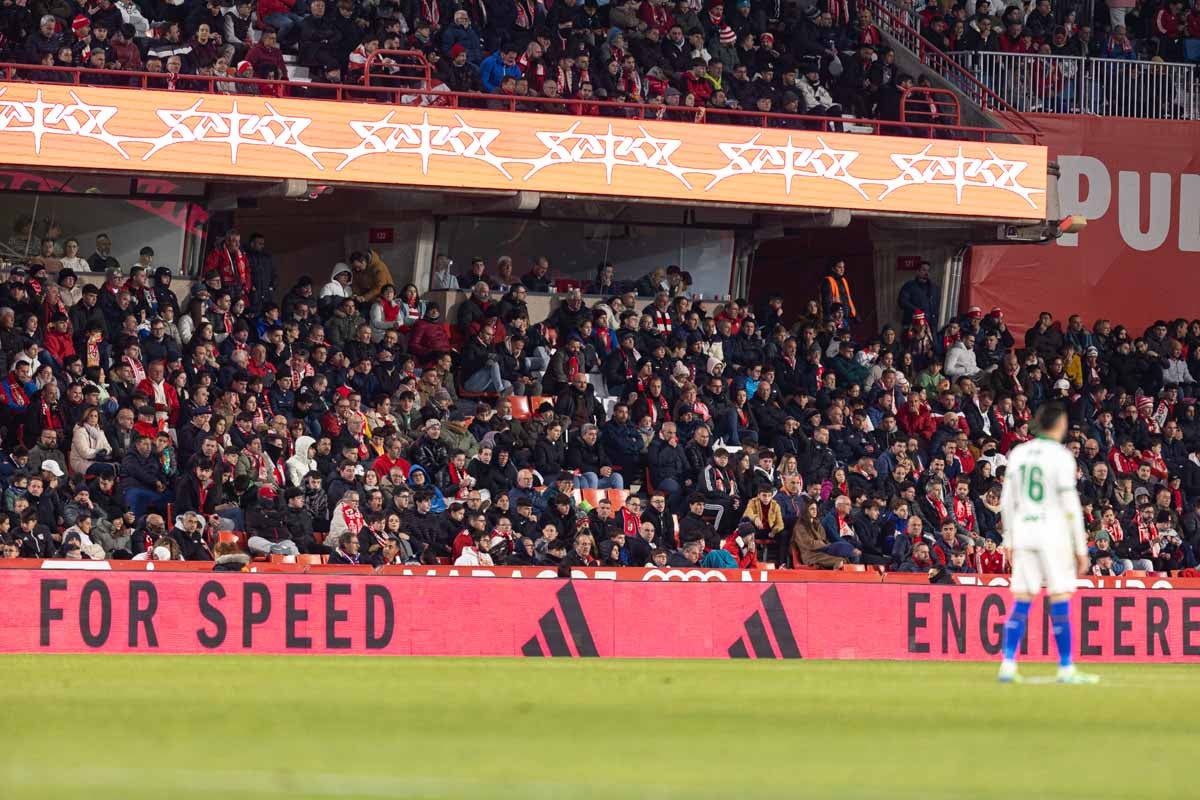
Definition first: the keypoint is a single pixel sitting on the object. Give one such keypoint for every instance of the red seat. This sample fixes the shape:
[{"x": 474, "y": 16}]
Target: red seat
[
  {"x": 520, "y": 407},
  {"x": 617, "y": 497},
  {"x": 564, "y": 285}
]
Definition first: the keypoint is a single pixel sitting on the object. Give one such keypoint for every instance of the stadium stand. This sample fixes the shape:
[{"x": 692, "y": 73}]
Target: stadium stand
[
  {"x": 349, "y": 423},
  {"x": 224, "y": 417},
  {"x": 1108, "y": 59},
  {"x": 714, "y": 63}
]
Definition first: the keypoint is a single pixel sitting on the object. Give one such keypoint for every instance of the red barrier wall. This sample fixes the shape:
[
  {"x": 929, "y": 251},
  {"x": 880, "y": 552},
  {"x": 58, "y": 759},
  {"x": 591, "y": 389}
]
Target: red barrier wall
[
  {"x": 1138, "y": 183},
  {"x": 72, "y": 612}
]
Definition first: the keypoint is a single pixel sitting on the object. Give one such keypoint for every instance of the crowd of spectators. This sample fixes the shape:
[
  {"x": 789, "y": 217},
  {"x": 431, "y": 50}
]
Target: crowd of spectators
[
  {"x": 1169, "y": 29},
  {"x": 987, "y": 38},
  {"x": 697, "y": 60},
  {"x": 354, "y": 421}
]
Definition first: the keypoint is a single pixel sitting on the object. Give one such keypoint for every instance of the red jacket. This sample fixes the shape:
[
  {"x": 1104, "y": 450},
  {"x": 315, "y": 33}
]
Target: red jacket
[
  {"x": 268, "y": 7},
  {"x": 461, "y": 542},
  {"x": 918, "y": 423},
  {"x": 993, "y": 563},
  {"x": 1122, "y": 464},
  {"x": 268, "y": 55},
  {"x": 747, "y": 560},
  {"x": 234, "y": 271},
  {"x": 59, "y": 345},
  {"x": 383, "y": 465},
  {"x": 1167, "y": 24},
  {"x": 429, "y": 338}
]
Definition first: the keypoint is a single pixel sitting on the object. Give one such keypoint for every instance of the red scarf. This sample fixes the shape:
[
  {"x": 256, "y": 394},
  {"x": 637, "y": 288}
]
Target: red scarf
[
  {"x": 526, "y": 13},
  {"x": 431, "y": 11},
  {"x": 139, "y": 374},
  {"x": 629, "y": 522},
  {"x": 939, "y": 506},
  {"x": 1114, "y": 531},
  {"x": 19, "y": 398},
  {"x": 605, "y": 340},
  {"x": 391, "y": 311},
  {"x": 52, "y": 419},
  {"x": 964, "y": 513},
  {"x": 353, "y": 518},
  {"x": 662, "y": 320}
]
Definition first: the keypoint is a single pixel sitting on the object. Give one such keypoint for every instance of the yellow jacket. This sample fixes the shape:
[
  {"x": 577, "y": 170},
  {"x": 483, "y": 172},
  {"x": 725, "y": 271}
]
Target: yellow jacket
[
  {"x": 370, "y": 282},
  {"x": 773, "y": 522}
]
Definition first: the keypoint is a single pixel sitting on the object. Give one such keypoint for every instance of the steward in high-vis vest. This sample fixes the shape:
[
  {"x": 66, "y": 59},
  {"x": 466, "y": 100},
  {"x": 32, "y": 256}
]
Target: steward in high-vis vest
[{"x": 836, "y": 289}]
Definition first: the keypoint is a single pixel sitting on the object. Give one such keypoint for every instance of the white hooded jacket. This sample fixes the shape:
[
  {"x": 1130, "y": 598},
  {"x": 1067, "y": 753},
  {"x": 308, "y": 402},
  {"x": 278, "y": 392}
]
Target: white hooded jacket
[
  {"x": 300, "y": 464},
  {"x": 334, "y": 288}
]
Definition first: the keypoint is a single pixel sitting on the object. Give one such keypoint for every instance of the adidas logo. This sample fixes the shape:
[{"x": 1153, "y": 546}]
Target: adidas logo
[
  {"x": 756, "y": 632},
  {"x": 552, "y": 631}
]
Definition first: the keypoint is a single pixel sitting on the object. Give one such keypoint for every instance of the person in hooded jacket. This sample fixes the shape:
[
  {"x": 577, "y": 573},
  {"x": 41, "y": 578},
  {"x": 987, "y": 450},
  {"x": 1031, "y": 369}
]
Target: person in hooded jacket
[
  {"x": 338, "y": 286},
  {"x": 164, "y": 295},
  {"x": 301, "y": 463},
  {"x": 189, "y": 534},
  {"x": 418, "y": 479}
]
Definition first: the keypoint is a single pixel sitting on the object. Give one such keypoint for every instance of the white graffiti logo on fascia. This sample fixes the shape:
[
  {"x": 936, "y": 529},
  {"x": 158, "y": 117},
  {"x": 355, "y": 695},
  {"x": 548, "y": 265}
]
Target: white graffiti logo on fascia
[
  {"x": 959, "y": 171},
  {"x": 236, "y": 129}
]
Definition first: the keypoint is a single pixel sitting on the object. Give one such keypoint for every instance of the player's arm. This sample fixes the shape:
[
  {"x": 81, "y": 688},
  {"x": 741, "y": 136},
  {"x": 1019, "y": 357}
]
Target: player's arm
[{"x": 1008, "y": 505}]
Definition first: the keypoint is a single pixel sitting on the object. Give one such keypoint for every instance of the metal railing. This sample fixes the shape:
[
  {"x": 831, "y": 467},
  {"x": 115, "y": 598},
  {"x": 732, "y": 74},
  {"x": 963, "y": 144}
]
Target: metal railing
[
  {"x": 1107, "y": 87},
  {"x": 903, "y": 25},
  {"x": 945, "y": 126}
]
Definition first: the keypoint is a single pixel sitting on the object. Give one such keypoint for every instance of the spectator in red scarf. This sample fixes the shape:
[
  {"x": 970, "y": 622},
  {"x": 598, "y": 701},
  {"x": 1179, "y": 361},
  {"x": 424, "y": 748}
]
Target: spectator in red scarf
[{"x": 229, "y": 262}]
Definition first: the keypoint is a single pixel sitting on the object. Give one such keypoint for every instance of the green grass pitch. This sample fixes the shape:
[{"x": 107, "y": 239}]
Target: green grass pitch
[{"x": 101, "y": 727}]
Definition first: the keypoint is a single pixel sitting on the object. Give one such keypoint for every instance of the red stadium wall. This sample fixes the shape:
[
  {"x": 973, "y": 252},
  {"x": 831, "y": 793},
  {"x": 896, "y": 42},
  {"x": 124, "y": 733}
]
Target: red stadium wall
[
  {"x": 1138, "y": 184},
  {"x": 66, "y": 611}
]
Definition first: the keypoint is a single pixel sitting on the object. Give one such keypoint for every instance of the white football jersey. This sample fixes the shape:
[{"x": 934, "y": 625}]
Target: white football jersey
[{"x": 1039, "y": 501}]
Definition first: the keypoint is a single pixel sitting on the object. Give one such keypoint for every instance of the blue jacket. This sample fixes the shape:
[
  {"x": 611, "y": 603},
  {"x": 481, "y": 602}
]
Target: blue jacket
[
  {"x": 492, "y": 71},
  {"x": 623, "y": 439},
  {"x": 468, "y": 37}
]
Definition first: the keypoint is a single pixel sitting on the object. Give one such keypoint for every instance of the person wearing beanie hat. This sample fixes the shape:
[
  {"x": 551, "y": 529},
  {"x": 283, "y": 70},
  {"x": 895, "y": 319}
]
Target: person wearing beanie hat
[
  {"x": 459, "y": 74},
  {"x": 815, "y": 97}
]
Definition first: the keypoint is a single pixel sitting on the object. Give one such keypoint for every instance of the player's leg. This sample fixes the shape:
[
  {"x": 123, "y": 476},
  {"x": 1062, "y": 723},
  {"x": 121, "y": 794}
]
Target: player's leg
[
  {"x": 1060, "y": 587},
  {"x": 1026, "y": 582},
  {"x": 1014, "y": 632}
]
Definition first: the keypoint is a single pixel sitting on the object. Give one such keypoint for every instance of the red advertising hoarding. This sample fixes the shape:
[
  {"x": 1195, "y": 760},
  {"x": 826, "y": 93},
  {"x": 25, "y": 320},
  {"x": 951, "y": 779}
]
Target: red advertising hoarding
[
  {"x": 1138, "y": 184},
  {"x": 65, "y": 611}
]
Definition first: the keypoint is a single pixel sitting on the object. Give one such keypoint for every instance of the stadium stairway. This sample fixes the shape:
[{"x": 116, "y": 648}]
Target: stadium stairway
[{"x": 917, "y": 56}]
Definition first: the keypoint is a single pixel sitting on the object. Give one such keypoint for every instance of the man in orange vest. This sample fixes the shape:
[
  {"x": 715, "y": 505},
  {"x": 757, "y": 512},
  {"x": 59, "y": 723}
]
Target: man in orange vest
[{"x": 835, "y": 288}]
